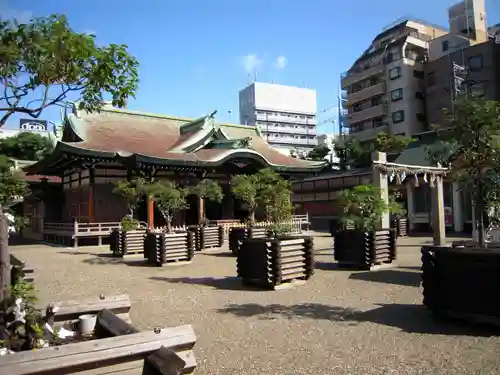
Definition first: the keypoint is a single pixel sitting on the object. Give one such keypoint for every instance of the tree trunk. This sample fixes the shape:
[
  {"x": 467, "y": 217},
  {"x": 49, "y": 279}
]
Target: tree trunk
[
  {"x": 4, "y": 257},
  {"x": 252, "y": 217},
  {"x": 479, "y": 208},
  {"x": 169, "y": 223}
]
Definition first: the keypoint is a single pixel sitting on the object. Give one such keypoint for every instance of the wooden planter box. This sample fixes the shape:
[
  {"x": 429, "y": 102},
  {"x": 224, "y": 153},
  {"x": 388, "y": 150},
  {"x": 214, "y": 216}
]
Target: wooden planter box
[
  {"x": 365, "y": 250},
  {"x": 272, "y": 263},
  {"x": 125, "y": 350},
  {"x": 207, "y": 237},
  {"x": 127, "y": 243},
  {"x": 161, "y": 248},
  {"x": 237, "y": 235},
  {"x": 400, "y": 226},
  {"x": 462, "y": 282}
]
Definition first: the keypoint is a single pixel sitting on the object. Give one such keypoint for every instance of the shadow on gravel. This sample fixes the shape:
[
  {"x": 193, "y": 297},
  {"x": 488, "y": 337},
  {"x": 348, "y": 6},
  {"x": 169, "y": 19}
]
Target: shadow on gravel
[
  {"x": 224, "y": 283},
  {"x": 227, "y": 254},
  {"x": 409, "y": 318},
  {"x": 330, "y": 266},
  {"x": 405, "y": 278},
  {"x": 108, "y": 259}
]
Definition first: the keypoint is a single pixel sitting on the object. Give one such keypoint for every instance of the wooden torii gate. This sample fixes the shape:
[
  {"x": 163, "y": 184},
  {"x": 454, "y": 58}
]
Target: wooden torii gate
[{"x": 383, "y": 171}]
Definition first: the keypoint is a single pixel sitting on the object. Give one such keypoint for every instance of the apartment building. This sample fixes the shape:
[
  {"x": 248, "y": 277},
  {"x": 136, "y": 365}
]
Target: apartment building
[
  {"x": 465, "y": 60},
  {"x": 482, "y": 77},
  {"x": 385, "y": 86},
  {"x": 285, "y": 115}
]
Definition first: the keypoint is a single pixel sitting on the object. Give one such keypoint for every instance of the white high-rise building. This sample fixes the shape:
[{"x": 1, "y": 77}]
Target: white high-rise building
[{"x": 285, "y": 115}]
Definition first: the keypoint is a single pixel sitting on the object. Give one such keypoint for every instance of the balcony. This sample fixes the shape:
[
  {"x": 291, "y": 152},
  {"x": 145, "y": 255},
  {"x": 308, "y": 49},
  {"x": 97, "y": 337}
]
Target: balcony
[
  {"x": 291, "y": 141},
  {"x": 367, "y": 114},
  {"x": 286, "y": 129},
  {"x": 353, "y": 77},
  {"x": 366, "y": 93},
  {"x": 369, "y": 133},
  {"x": 285, "y": 119}
]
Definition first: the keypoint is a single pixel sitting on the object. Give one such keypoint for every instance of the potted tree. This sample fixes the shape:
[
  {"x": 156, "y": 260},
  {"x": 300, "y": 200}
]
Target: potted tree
[
  {"x": 246, "y": 189},
  {"x": 367, "y": 246},
  {"x": 279, "y": 258},
  {"x": 206, "y": 236},
  {"x": 167, "y": 246},
  {"x": 129, "y": 238},
  {"x": 470, "y": 149}
]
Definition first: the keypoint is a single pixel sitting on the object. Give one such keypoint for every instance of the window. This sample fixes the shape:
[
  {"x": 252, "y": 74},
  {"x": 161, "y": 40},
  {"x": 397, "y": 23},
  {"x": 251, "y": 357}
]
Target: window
[
  {"x": 389, "y": 58},
  {"x": 446, "y": 45},
  {"x": 419, "y": 95},
  {"x": 395, "y": 72},
  {"x": 356, "y": 108},
  {"x": 475, "y": 63},
  {"x": 376, "y": 101},
  {"x": 396, "y": 94},
  {"x": 431, "y": 79},
  {"x": 398, "y": 116}
]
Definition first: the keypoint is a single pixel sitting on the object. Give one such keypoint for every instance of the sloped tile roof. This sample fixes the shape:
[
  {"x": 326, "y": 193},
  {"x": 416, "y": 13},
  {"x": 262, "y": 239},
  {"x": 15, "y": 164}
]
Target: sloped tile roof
[{"x": 128, "y": 132}]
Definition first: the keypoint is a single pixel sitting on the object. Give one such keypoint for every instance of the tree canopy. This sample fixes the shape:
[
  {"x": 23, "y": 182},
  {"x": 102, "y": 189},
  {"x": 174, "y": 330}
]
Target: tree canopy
[
  {"x": 45, "y": 63},
  {"x": 266, "y": 189},
  {"x": 470, "y": 146},
  {"x": 26, "y": 146},
  {"x": 169, "y": 198}
]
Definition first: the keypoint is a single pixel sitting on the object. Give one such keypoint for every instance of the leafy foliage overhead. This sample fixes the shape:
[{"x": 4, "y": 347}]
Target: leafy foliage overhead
[
  {"x": 46, "y": 63},
  {"x": 26, "y": 146}
]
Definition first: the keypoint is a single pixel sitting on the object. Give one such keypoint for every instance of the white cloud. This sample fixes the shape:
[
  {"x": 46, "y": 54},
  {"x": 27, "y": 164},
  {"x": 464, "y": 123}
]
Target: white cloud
[
  {"x": 281, "y": 62},
  {"x": 251, "y": 63},
  {"x": 9, "y": 13}
]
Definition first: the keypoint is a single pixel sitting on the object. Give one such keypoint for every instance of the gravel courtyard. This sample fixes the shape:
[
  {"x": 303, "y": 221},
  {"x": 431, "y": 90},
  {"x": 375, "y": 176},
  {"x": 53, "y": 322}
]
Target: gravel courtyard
[{"x": 340, "y": 322}]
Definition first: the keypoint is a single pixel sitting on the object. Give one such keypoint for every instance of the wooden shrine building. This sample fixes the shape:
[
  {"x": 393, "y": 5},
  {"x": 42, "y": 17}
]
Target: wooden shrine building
[{"x": 98, "y": 149}]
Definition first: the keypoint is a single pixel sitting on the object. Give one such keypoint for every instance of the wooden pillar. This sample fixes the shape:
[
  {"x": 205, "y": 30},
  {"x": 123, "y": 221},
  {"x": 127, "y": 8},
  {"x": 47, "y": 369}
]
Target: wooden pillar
[
  {"x": 91, "y": 204},
  {"x": 151, "y": 213},
  {"x": 201, "y": 209},
  {"x": 91, "y": 200},
  {"x": 437, "y": 212},
  {"x": 410, "y": 205},
  {"x": 379, "y": 179}
]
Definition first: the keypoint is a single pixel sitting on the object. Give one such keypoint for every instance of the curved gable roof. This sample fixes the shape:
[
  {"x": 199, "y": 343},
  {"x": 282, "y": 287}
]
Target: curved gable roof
[{"x": 170, "y": 139}]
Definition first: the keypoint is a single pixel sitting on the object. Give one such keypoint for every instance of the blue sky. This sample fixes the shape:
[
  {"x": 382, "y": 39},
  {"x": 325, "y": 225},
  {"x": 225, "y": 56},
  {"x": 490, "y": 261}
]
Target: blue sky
[{"x": 195, "y": 55}]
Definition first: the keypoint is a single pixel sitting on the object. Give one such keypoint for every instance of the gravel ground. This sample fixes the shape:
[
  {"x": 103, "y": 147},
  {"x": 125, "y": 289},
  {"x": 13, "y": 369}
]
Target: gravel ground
[{"x": 340, "y": 322}]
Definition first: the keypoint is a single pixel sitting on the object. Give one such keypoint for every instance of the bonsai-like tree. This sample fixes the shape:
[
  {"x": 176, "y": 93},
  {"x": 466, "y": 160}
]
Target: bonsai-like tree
[
  {"x": 208, "y": 190},
  {"x": 12, "y": 188},
  {"x": 274, "y": 194},
  {"x": 388, "y": 143},
  {"x": 246, "y": 188},
  {"x": 266, "y": 189},
  {"x": 363, "y": 207},
  {"x": 44, "y": 63},
  {"x": 351, "y": 153},
  {"x": 133, "y": 192},
  {"x": 470, "y": 147},
  {"x": 169, "y": 199}
]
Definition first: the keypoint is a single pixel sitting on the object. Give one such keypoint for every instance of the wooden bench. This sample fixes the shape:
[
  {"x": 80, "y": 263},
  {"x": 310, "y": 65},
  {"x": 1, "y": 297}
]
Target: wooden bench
[
  {"x": 70, "y": 233},
  {"x": 127, "y": 352}
]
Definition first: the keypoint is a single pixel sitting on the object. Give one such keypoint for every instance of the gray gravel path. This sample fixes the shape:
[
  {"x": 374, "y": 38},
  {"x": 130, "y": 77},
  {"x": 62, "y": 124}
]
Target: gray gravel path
[{"x": 341, "y": 322}]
